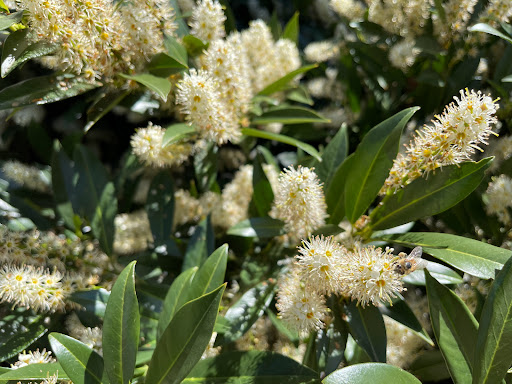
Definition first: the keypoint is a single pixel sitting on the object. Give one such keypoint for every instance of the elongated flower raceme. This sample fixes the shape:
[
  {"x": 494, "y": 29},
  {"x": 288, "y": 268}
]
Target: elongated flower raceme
[
  {"x": 498, "y": 198},
  {"x": 207, "y": 21},
  {"x": 452, "y": 139}
]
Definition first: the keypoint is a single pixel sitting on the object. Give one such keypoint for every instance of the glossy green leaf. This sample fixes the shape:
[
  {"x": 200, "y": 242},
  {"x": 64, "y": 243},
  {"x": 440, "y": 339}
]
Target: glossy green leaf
[
  {"x": 283, "y": 139},
  {"x": 370, "y": 373},
  {"x": 471, "y": 256},
  {"x": 441, "y": 273},
  {"x": 367, "y": 327},
  {"x": 184, "y": 339},
  {"x": 251, "y": 367},
  {"x": 291, "y": 30},
  {"x": 18, "y": 49},
  {"x": 12, "y": 341},
  {"x": 44, "y": 90},
  {"x": 428, "y": 197},
  {"x": 263, "y": 196},
  {"x": 291, "y": 335},
  {"x": 332, "y": 157},
  {"x": 106, "y": 100},
  {"x": 246, "y": 311},
  {"x": 81, "y": 363},
  {"x": 289, "y": 115},
  {"x": 175, "y": 50},
  {"x": 205, "y": 167},
  {"x": 401, "y": 312},
  {"x": 300, "y": 95},
  {"x": 493, "y": 353},
  {"x": 94, "y": 301},
  {"x": 62, "y": 185},
  {"x": 261, "y": 227},
  {"x": 160, "y": 85},
  {"x": 330, "y": 346},
  {"x": 430, "y": 366},
  {"x": 177, "y": 132},
  {"x": 200, "y": 245},
  {"x": 482, "y": 27},
  {"x": 372, "y": 161},
  {"x": 211, "y": 274},
  {"x": 454, "y": 327},
  {"x": 194, "y": 46},
  {"x": 160, "y": 207},
  {"x": 121, "y": 328},
  {"x": 335, "y": 194},
  {"x": 33, "y": 372},
  {"x": 282, "y": 83},
  {"x": 328, "y": 230},
  {"x": 163, "y": 65},
  {"x": 177, "y": 295},
  {"x": 7, "y": 21},
  {"x": 102, "y": 223}
]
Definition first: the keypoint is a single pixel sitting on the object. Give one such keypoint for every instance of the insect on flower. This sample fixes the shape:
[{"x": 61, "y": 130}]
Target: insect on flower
[{"x": 408, "y": 263}]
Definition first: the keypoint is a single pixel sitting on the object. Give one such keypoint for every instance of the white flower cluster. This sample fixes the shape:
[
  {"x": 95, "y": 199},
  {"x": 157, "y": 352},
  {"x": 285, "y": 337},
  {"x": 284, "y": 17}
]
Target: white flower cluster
[
  {"x": 207, "y": 21},
  {"x": 403, "y": 54},
  {"x": 33, "y": 357},
  {"x": 320, "y": 51},
  {"x": 452, "y": 139},
  {"x": 27, "y": 176},
  {"x": 100, "y": 38},
  {"x": 403, "y": 346},
  {"x": 92, "y": 337},
  {"x": 498, "y": 198},
  {"x": 299, "y": 201},
  {"x": 132, "y": 232},
  {"x": 323, "y": 267},
  {"x": 147, "y": 146},
  {"x": 188, "y": 209},
  {"x": 457, "y": 14},
  {"x": 351, "y": 9}
]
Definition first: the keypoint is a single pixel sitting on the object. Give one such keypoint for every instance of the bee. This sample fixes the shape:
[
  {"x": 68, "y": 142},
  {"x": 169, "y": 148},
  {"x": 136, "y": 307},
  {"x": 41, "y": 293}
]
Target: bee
[{"x": 408, "y": 263}]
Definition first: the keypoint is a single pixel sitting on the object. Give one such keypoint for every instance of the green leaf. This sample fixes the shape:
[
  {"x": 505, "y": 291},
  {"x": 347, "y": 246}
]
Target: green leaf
[
  {"x": 263, "y": 196},
  {"x": 246, "y": 311},
  {"x": 507, "y": 79},
  {"x": 330, "y": 346},
  {"x": 177, "y": 132},
  {"x": 12, "y": 341},
  {"x": 107, "y": 99},
  {"x": 205, "y": 167},
  {"x": 482, "y": 27},
  {"x": 9, "y": 20},
  {"x": 370, "y": 373},
  {"x": 43, "y": 90},
  {"x": 283, "y": 139},
  {"x": 291, "y": 335},
  {"x": 81, "y": 363},
  {"x": 211, "y": 274},
  {"x": 372, "y": 161},
  {"x": 300, "y": 95},
  {"x": 194, "y": 46},
  {"x": 33, "y": 372},
  {"x": 160, "y": 207},
  {"x": 63, "y": 174},
  {"x": 332, "y": 157},
  {"x": 430, "y": 366},
  {"x": 440, "y": 272},
  {"x": 471, "y": 256},
  {"x": 121, "y": 328},
  {"x": 17, "y": 50},
  {"x": 94, "y": 301},
  {"x": 335, "y": 194},
  {"x": 428, "y": 197},
  {"x": 200, "y": 245},
  {"x": 102, "y": 223},
  {"x": 454, "y": 327},
  {"x": 440, "y": 10},
  {"x": 401, "y": 312},
  {"x": 493, "y": 352},
  {"x": 291, "y": 30},
  {"x": 177, "y": 295},
  {"x": 282, "y": 83},
  {"x": 160, "y": 85},
  {"x": 289, "y": 115},
  {"x": 367, "y": 327},
  {"x": 184, "y": 339},
  {"x": 261, "y": 227},
  {"x": 163, "y": 65},
  {"x": 251, "y": 367}
]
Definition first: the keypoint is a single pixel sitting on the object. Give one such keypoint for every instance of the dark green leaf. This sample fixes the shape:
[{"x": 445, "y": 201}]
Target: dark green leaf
[
  {"x": 160, "y": 207},
  {"x": 121, "y": 328},
  {"x": 291, "y": 30},
  {"x": 372, "y": 161},
  {"x": 283, "y": 139},
  {"x": 370, "y": 373},
  {"x": 33, "y": 372},
  {"x": 367, "y": 327},
  {"x": 7, "y": 21},
  {"x": 94, "y": 301},
  {"x": 430, "y": 366},
  {"x": 107, "y": 99},
  {"x": 200, "y": 245},
  {"x": 12, "y": 340},
  {"x": 62, "y": 184},
  {"x": 205, "y": 166},
  {"x": 293, "y": 336},
  {"x": 43, "y": 90},
  {"x": 17, "y": 49},
  {"x": 455, "y": 329},
  {"x": 102, "y": 222},
  {"x": 243, "y": 314},
  {"x": 251, "y": 367},
  {"x": 328, "y": 230},
  {"x": 262, "y": 196},
  {"x": 160, "y": 85},
  {"x": 261, "y": 227},
  {"x": 184, "y": 339},
  {"x": 493, "y": 353},
  {"x": 163, "y": 65},
  {"x": 335, "y": 194},
  {"x": 177, "y": 295},
  {"x": 428, "y": 197},
  {"x": 330, "y": 347},
  {"x": 471, "y": 256},
  {"x": 81, "y": 363},
  {"x": 481, "y": 27},
  {"x": 289, "y": 115},
  {"x": 440, "y": 10},
  {"x": 211, "y": 274},
  {"x": 282, "y": 83},
  {"x": 332, "y": 157},
  {"x": 176, "y": 132}
]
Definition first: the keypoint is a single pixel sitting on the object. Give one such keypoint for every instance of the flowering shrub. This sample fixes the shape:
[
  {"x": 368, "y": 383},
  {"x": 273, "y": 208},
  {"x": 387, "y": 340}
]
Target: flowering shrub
[{"x": 188, "y": 197}]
